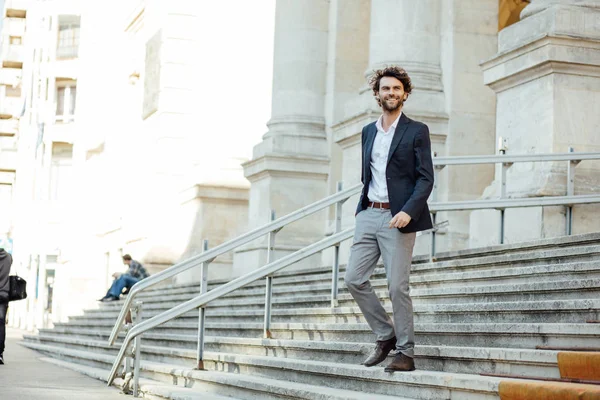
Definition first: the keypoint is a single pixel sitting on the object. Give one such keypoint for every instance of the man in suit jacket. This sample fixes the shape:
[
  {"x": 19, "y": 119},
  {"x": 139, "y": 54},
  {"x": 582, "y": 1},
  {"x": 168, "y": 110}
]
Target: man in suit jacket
[{"x": 397, "y": 177}]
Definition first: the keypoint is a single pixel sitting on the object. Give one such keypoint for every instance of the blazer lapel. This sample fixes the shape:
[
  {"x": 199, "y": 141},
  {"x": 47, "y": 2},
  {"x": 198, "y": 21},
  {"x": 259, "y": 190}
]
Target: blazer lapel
[
  {"x": 368, "y": 150},
  {"x": 398, "y": 133}
]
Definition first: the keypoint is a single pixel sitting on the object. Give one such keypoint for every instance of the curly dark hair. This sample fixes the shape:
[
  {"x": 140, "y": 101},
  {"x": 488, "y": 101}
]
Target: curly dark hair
[{"x": 394, "y": 72}]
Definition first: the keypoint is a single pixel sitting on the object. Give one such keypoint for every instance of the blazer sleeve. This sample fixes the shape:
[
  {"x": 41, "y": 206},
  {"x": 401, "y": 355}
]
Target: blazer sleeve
[
  {"x": 362, "y": 156},
  {"x": 362, "y": 171},
  {"x": 424, "y": 174}
]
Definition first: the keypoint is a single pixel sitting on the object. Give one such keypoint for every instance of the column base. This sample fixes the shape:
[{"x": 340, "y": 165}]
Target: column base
[{"x": 215, "y": 213}]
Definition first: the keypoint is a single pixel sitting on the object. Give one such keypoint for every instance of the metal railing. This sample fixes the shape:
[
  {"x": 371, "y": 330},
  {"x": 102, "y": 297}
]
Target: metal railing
[
  {"x": 335, "y": 240},
  {"x": 502, "y": 202},
  {"x": 209, "y": 255}
]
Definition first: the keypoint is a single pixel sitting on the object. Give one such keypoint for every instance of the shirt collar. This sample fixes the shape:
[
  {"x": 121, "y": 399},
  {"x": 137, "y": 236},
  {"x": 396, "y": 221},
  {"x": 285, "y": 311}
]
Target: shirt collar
[{"x": 379, "y": 123}]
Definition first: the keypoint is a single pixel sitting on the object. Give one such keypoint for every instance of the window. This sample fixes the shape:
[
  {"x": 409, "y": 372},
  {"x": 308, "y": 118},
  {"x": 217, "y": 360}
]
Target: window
[
  {"x": 15, "y": 40},
  {"x": 68, "y": 37},
  {"x": 60, "y": 171},
  {"x": 66, "y": 97}
]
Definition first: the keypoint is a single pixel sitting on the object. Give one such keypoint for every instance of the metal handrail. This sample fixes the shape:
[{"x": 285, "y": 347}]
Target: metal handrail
[
  {"x": 226, "y": 247},
  {"x": 290, "y": 259},
  {"x": 495, "y": 159},
  {"x": 227, "y": 288},
  {"x": 330, "y": 200},
  {"x": 514, "y": 203},
  {"x": 338, "y": 237}
]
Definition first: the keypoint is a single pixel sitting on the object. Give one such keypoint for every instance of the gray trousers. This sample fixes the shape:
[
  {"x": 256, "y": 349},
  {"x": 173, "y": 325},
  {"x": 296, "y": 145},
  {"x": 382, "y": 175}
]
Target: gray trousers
[{"x": 372, "y": 238}]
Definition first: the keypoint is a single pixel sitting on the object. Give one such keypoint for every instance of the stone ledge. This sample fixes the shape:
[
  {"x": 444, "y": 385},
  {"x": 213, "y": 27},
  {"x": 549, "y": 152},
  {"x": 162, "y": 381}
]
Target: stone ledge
[
  {"x": 544, "y": 56},
  {"x": 287, "y": 165}
]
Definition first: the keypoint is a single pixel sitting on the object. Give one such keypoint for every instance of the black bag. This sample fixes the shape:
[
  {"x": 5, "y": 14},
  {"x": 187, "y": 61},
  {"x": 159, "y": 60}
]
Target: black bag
[{"x": 17, "y": 288}]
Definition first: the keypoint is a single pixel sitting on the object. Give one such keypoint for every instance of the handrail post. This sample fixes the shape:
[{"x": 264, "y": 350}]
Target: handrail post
[
  {"x": 202, "y": 310},
  {"x": 336, "y": 250},
  {"x": 434, "y": 197},
  {"x": 570, "y": 192},
  {"x": 269, "y": 282},
  {"x": 138, "y": 351},
  {"x": 503, "y": 171},
  {"x": 127, "y": 366},
  {"x": 432, "y": 249}
]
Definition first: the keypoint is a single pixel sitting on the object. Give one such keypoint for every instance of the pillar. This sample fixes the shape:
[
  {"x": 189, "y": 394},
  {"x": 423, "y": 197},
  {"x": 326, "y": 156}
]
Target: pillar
[
  {"x": 289, "y": 167},
  {"x": 546, "y": 76}
]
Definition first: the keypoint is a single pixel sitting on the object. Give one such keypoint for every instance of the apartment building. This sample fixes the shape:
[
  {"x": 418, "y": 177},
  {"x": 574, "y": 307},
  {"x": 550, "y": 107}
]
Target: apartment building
[
  {"x": 39, "y": 92},
  {"x": 12, "y": 54}
]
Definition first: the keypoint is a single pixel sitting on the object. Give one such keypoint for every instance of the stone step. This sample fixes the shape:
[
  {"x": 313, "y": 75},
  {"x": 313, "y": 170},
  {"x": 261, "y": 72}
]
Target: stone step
[
  {"x": 553, "y": 311},
  {"x": 511, "y": 335},
  {"x": 472, "y": 360},
  {"x": 579, "y": 254},
  {"x": 542, "y": 291},
  {"x": 418, "y": 384},
  {"x": 527, "y": 258},
  {"x": 562, "y": 242},
  {"x": 541, "y": 273},
  {"x": 520, "y": 255},
  {"x": 476, "y": 311},
  {"x": 241, "y": 386},
  {"x": 511, "y": 275},
  {"x": 149, "y": 389}
]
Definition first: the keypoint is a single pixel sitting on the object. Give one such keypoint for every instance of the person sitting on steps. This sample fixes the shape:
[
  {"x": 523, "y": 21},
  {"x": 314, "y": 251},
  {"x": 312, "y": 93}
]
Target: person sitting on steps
[{"x": 134, "y": 274}]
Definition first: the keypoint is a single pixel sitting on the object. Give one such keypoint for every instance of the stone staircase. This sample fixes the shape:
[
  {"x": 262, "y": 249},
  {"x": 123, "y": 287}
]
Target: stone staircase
[{"x": 504, "y": 310}]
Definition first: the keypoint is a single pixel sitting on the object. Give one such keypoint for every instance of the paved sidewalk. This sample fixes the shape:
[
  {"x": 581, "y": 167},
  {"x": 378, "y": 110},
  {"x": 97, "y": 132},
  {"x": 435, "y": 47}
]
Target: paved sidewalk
[{"x": 25, "y": 377}]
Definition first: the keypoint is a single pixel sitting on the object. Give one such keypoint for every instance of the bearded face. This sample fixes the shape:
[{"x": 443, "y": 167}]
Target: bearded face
[{"x": 391, "y": 94}]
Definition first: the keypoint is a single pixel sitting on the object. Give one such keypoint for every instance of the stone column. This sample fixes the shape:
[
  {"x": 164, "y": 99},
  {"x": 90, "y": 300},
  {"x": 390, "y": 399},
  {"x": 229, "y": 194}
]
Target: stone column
[
  {"x": 546, "y": 76},
  {"x": 469, "y": 32},
  {"x": 407, "y": 33},
  {"x": 404, "y": 33},
  {"x": 289, "y": 167},
  {"x": 348, "y": 59}
]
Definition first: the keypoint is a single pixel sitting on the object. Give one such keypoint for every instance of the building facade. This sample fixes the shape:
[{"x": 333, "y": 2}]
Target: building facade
[{"x": 106, "y": 144}]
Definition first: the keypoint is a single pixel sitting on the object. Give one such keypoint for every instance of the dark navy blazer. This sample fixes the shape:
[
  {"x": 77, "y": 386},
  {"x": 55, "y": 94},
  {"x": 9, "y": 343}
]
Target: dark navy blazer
[{"x": 409, "y": 172}]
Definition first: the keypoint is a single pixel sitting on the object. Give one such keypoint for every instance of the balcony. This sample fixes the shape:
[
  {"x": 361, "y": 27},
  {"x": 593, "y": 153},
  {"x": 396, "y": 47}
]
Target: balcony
[
  {"x": 60, "y": 132},
  {"x": 67, "y": 52},
  {"x": 10, "y": 76},
  {"x": 17, "y": 8},
  {"x": 14, "y": 27},
  {"x": 10, "y": 107},
  {"x": 7, "y": 178},
  {"x": 8, "y": 143},
  {"x": 64, "y": 68},
  {"x": 8, "y": 154},
  {"x": 8, "y": 127},
  {"x": 12, "y": 55}
]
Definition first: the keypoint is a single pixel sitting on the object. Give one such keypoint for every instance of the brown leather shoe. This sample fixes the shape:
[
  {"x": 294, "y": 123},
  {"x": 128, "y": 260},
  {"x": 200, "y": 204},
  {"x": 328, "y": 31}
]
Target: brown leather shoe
[
  {"x": 380, "y": 352},
  {"x": 401, "y": 363}
]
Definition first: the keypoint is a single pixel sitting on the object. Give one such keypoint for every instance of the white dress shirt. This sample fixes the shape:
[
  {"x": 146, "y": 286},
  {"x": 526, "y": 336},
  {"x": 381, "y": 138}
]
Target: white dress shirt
[{"x": 379, "y": 156}]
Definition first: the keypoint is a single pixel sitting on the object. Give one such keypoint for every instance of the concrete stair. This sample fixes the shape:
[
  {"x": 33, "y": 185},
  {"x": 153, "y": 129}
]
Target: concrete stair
[{"x": 482, "y": 311}]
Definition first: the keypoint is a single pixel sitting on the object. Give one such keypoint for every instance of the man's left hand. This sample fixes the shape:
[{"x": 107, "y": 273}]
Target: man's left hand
[{"x": 400, "y": 220}]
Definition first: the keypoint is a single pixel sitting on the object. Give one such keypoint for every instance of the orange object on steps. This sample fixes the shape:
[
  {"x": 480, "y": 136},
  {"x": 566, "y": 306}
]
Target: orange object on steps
[
  {"x": 536, "y": 390},
  {"x": 579, "y": 365}
]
